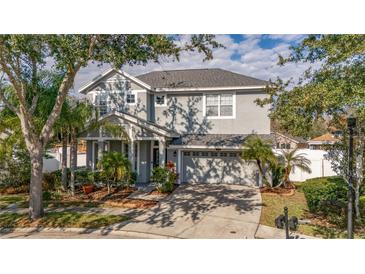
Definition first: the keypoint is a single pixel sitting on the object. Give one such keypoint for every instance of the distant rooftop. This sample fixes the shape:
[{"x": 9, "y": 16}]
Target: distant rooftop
[
  {"x": 198, "y": 78},
  {"x": 328, "y": 137}
]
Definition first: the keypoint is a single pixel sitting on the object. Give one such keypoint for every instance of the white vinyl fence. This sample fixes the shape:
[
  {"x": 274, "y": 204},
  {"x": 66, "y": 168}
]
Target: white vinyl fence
[
  {"x": 54, "y": 163},
  {"x": 320, "y": 166}
]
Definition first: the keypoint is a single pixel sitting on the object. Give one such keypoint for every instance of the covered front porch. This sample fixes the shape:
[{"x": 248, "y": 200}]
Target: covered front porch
[
  {"x": 144, "y": 155},
  {"x": 143, "y": 142}
]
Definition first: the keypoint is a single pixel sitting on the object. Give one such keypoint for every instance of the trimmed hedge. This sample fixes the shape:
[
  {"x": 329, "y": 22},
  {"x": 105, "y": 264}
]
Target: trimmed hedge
[{"x": 325, "y": 195}]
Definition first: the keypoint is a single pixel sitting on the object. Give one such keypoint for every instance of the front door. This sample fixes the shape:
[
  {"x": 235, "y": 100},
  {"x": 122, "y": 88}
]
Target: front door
[{"x": 156, "y": 157}]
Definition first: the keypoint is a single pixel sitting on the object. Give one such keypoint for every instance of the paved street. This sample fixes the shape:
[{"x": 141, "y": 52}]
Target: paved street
[{"x": 61, "y": 235}]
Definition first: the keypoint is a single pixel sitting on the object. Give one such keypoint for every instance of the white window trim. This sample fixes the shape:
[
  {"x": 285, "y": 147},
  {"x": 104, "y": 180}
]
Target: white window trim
[
  {"x": 135, "y": 97},
  {"x": 165, "y": 102},
  {"x": 219, "y": 117}
]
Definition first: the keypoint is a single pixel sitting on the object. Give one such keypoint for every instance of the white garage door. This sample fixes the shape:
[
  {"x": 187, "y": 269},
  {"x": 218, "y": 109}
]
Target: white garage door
[{"x": 217, "y": 167}]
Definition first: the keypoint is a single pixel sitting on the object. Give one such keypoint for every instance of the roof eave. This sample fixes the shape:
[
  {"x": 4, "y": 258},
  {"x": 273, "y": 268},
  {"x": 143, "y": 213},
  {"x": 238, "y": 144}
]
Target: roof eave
[{"x": 210, "y": 88}]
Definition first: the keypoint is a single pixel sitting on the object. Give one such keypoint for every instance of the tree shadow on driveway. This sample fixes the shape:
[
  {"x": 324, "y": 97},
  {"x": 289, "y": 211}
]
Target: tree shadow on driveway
[{"x": 191, "y": 202}]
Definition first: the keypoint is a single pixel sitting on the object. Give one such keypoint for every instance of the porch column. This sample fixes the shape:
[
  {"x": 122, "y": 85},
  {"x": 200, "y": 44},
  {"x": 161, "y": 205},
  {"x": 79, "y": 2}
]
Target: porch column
[
  {"x": 131, "y": 154},
  {"x": 162, "y": 152},
  {"x": 100, "y": 151}
]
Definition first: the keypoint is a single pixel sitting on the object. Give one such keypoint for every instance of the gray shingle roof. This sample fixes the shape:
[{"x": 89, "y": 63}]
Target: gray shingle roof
[
  {"x": 216, "y": 140},
  {"x": 198, "y": 78}
]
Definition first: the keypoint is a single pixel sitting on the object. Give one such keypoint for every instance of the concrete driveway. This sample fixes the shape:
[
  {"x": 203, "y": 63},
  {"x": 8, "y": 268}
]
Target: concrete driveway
[{"x": 203, "y": 211}]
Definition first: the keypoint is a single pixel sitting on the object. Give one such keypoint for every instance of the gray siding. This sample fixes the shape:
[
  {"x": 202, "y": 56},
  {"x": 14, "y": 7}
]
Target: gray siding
[
  {"x": 184, "y": 113},
  {"x": 113, "y": 86}
]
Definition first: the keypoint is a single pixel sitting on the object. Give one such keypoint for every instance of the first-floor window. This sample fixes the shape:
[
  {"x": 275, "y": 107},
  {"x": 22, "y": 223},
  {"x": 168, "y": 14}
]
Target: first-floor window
[{"x": 219, "y": 105}]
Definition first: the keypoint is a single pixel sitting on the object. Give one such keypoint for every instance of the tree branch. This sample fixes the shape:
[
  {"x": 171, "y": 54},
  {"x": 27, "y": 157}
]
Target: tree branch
[
  {"x": 66, "y": 84},
  {"x": 34, "y": 104},
  {"x": 8, "y": 104}
]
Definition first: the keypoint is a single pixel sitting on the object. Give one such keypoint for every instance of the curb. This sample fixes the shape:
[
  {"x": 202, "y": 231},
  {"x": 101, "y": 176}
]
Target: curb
[{"x": 102, "y": 231}]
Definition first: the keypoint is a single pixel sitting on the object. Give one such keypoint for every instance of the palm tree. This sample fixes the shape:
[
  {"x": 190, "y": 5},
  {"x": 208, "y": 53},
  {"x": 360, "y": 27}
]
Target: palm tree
[
  {"x": 259, "y": 150},
  {"x": 293, "y": 160},
  {"x": 115, "y": 167},
  {"x": 80, "y": 113}
]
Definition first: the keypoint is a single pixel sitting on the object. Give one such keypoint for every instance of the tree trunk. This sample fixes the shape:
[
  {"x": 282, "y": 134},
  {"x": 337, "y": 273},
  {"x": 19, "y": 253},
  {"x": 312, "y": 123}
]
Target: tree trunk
[
  {"x": 64, "y": 161},
  {"x": 264, "y": 180},
  {"x": 286, "y": 176},
  {"x": 73, "y": 160},
  {"x": 36, "y": 197}
]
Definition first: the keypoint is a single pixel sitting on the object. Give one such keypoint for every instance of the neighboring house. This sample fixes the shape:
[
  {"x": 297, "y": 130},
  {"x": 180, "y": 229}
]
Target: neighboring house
[
  {"x": 322, "y": 141},
  {"x": 197, "y": 118},
  {"x": 286, "y": 141}
]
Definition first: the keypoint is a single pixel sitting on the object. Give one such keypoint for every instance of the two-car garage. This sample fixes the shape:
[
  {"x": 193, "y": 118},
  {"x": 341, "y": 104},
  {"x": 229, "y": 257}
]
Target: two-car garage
[{"x": 216, "y": 167}]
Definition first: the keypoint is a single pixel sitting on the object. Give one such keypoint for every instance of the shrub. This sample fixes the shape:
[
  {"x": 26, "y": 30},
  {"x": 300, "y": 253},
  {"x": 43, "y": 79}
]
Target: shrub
[
  {"x": 325, "y": 195},
  {"x": 49, "y": 181},
  {"x": 47, "y": 195},
  {"x": 362, "y": 205},
  {"x": 277, "y": 174},
  {"x": 51, "y": 195},
  {"x": 165, "y": 177},
  {"x": 132, "y": 178}
]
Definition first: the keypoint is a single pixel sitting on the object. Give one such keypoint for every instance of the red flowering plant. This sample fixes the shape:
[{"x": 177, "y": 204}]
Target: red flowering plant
[{"x": 165, "y": 177}]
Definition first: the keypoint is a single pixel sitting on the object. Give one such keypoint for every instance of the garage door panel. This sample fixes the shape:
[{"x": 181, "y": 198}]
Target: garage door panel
[{"x": 218, "y": 170}]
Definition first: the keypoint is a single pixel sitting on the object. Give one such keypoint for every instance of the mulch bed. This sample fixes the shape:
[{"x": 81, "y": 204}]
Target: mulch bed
[
  {"x": 116, "y": 198},
  {"x": 278, "y": 191},
  {"x": 100, "y": 195},
  {"x": 14, "y": 189}
]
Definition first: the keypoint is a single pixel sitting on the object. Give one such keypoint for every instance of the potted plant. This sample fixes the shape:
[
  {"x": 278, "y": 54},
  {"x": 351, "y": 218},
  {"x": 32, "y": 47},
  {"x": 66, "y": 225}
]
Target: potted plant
[{"x": 89, "y": 186}]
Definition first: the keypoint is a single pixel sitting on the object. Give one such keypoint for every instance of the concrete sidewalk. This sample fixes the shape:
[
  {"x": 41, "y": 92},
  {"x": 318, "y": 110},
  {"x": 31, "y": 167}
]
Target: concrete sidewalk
[
  {"x": 203, "y": 211},
  {"x": 268, "y": 232}
]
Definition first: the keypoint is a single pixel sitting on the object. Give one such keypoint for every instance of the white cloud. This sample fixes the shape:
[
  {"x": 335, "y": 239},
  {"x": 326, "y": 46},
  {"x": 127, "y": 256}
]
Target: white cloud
[{"x": 253, "y": 60}]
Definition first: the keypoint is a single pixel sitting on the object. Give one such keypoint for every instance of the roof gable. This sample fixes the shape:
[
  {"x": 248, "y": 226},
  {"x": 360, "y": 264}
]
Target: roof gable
[{"x": 111, "y": 74}]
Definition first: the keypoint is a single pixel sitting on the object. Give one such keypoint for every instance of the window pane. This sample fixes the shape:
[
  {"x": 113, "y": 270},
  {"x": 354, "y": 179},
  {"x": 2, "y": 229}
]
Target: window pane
[
  {"x": 160, "y": 99},
  {"x": 212, "y": 100},
  {"x": 226, "y": 111},
  {"x": 131, "y": 98},
  {"x": 212, "y": 110},
  {"x": 226, "y": 99}
]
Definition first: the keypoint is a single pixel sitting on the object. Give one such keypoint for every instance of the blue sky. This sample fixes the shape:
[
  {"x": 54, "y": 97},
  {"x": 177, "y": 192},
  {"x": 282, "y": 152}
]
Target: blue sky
[{"x": 252, "y": 55}]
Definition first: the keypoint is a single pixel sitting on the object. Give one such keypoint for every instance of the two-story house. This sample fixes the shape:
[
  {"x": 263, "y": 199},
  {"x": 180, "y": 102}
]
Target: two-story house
[{"x": 197, "y": 118}]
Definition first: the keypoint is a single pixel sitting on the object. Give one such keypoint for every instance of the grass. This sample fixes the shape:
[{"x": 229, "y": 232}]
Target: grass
[
  {"x": 60, "y": 219},
  {"x": 273, "y": 206},
  {"x": 55, "y": 204},
  {"x": 20, "y": 200}
]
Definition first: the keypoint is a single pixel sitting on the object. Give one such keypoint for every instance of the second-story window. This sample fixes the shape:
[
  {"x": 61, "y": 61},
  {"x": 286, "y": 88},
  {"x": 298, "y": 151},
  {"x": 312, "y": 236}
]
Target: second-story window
[
  {"x": 219, "y": 105},
  {"x": 160, "y": 100},
  {"x": 102, "y": 101},
  {"x": 131, "y": 98}
]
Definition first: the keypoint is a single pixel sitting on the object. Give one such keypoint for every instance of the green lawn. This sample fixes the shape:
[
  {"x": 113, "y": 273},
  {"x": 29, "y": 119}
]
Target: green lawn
[
  {"x": 274, "y": 204},
  {"x": 19, "y": 199},
  {"x": 60, "y": 219}
]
